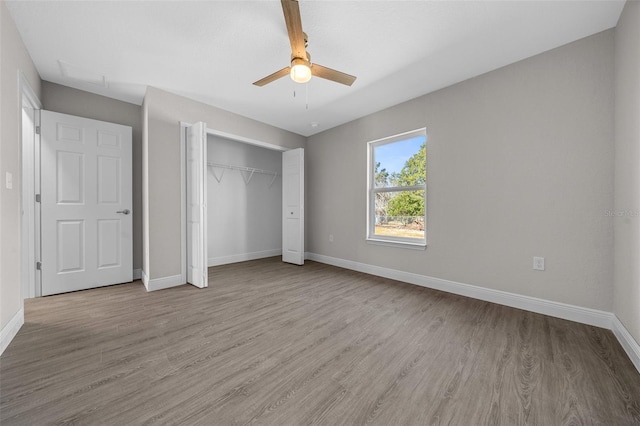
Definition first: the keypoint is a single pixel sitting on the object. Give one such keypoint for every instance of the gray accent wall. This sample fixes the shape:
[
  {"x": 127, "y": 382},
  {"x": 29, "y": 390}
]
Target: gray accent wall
[
  {"x": 627, "y": 170},
  {"x": 519, "y": 164},
  {"x": 76, "y": 102},
  {"x": 13, "y": 58}
]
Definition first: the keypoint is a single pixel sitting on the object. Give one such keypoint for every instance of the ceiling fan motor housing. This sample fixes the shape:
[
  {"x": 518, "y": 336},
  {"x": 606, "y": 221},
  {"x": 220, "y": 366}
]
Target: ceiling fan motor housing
[
  {"x": 300, "y": 70},
  {"x": 308, "y": 60}
]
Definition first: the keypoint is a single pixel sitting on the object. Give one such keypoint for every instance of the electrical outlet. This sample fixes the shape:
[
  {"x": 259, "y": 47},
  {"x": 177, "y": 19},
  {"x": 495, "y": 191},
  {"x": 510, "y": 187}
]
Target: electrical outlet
[
  {"x": 9, "y": 180},
  {"x": 538, "y": 263},
  {"x": 330, "y": 238}
]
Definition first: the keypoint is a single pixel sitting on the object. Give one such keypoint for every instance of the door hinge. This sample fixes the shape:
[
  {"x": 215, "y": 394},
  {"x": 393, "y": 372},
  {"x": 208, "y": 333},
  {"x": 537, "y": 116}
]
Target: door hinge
[
  {"x": 37, "y": 198},
  {"x": 39, "y": 266},
  {"x": 37, "y": 130}
]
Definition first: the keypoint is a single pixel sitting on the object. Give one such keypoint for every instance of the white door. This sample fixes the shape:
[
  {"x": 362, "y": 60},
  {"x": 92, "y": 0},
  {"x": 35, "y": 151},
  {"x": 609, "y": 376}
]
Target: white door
[
  {"x": 196, "y": 151},
  {"x": 293, "y": 206},
  {"x": 86, "y": 203}
]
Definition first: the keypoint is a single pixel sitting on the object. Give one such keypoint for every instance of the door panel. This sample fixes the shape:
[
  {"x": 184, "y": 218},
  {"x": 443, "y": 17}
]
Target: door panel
[
  {"x": 70, "y": 178},
  {"x": 68, "y": 133},
  {"x": 109, "y": 180},
  {"x": 109, "y": 242},
  {"x": 86, "y": 223},
  {"x": 293, "y": 206},
  {"x": 196, "y": 152},
  {"x": 108, "y": 140},
  {"x": 71, "y": 247}
]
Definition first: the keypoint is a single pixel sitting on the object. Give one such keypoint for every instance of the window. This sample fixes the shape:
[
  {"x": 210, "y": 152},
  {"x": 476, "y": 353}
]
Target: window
[{"x": 397, "y": 190}]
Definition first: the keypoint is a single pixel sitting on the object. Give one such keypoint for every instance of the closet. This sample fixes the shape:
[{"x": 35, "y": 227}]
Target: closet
[{"x": 244, "y": 200}]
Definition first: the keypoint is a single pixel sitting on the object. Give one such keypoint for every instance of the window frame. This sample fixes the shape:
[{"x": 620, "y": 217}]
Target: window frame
[{"x": 371, "y": 237}]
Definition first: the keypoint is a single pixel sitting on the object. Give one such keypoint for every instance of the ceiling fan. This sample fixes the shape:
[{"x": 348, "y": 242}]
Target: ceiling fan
[{"x": 301, "y": 68}]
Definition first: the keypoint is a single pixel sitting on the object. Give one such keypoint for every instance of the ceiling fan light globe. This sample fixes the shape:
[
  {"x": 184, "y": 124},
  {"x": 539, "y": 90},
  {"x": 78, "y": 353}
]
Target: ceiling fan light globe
[{"x": 300, "y": 71}]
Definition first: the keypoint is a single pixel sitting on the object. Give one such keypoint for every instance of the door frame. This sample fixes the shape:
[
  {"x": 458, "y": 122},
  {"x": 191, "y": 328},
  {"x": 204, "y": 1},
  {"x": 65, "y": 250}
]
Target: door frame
[
  {"x": 183, "y": 180},
  {"x": 30, "y": 285}
]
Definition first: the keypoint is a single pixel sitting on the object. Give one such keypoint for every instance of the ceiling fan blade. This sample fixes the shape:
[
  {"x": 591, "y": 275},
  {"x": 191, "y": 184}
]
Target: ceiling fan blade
[
  {"x": 333, "y": 75},
  {"x": 294, "y": 28},
  {"x": 273, "y": 77}
]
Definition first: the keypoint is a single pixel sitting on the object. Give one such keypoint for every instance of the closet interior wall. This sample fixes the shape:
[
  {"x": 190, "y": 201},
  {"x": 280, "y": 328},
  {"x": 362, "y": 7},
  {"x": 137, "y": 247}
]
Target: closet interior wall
[{"x": 244, "y": 210}]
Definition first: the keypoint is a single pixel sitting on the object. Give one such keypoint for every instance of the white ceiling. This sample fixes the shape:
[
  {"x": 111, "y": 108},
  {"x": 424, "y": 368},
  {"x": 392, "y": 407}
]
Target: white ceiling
[{"x": 212, "y": 51}]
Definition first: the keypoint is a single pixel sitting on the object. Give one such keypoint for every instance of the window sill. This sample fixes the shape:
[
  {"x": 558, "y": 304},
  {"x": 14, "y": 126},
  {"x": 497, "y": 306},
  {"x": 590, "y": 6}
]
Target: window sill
[{"x": 400, "y": 244}]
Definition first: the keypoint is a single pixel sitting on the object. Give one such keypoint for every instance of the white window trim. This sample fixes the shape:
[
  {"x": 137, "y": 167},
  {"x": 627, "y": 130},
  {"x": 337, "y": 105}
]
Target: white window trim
[{"x": 409, "y": 243}]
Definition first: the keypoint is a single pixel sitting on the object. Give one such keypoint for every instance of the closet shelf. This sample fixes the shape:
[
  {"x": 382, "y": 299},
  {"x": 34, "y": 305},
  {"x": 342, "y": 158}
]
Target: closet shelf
[{"x": 242, "y": 169}]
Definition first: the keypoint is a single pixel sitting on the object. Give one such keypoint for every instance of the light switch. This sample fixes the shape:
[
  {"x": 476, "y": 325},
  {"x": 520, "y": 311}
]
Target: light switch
[{"x": 9, "y": 180}]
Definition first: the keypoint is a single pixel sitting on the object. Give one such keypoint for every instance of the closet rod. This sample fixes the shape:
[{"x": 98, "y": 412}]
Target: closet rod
[{"x": 243, "y": 168}]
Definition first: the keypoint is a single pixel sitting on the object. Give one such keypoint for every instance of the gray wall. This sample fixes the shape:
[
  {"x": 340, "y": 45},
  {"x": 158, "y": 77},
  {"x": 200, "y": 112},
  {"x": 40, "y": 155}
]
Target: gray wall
[
  {"x": 520, "y": 164},
  {"x": 244, "y": 220},
  {"x": 163, "y": 111},
  {"x": 13, "y": 58},
  {"x": 84, "y": 104},
  {"x": 627, "y": 170}
]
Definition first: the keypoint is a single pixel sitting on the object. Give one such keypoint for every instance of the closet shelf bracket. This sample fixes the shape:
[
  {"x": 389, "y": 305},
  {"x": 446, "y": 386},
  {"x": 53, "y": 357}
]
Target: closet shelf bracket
[
  {"x": 218, "y": 178},
  {"x": 273, "y": 179},
  {"x": 244, "y": 176},
  {"x": 246, "y": 172}
]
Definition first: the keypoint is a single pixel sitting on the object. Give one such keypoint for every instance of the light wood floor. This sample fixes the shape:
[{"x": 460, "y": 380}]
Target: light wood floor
[{"x": 276, "y": 344}]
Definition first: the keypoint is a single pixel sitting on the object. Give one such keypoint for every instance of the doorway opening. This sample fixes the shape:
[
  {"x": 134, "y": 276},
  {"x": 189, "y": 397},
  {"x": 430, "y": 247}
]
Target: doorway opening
[
  {"x": 30, "y": 107},
  {"x": 235, "y": 196}
]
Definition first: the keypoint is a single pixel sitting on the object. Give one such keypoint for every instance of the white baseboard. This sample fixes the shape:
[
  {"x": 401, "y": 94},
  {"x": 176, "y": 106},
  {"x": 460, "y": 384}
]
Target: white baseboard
[
  {"x": 533, "y": 304},
  {"x": 137, "y": 274},
  {"x": 631, "y": 347},
  {"x": 162, "y": 283},
  {"x": 223, "y": 260},
  {"x": 10, "y": 330},
  {"x": 145, "y": 279}
]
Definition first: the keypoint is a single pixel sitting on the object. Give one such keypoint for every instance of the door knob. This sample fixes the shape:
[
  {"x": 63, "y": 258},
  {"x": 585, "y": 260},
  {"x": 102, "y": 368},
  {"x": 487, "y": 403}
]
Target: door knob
[{"x": 125, "y": 211}]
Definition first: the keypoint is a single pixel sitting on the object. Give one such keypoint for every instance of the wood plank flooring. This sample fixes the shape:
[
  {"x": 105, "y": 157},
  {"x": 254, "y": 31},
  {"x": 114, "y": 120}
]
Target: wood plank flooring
[{"x": 276, "y": 344}]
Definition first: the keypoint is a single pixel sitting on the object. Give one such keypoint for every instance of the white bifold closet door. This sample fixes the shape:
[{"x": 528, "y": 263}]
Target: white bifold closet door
[
  {"x": 293, "y": 206},
  {"x": 86, "y": 220},
  {"x": 196, "y": 153}
]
